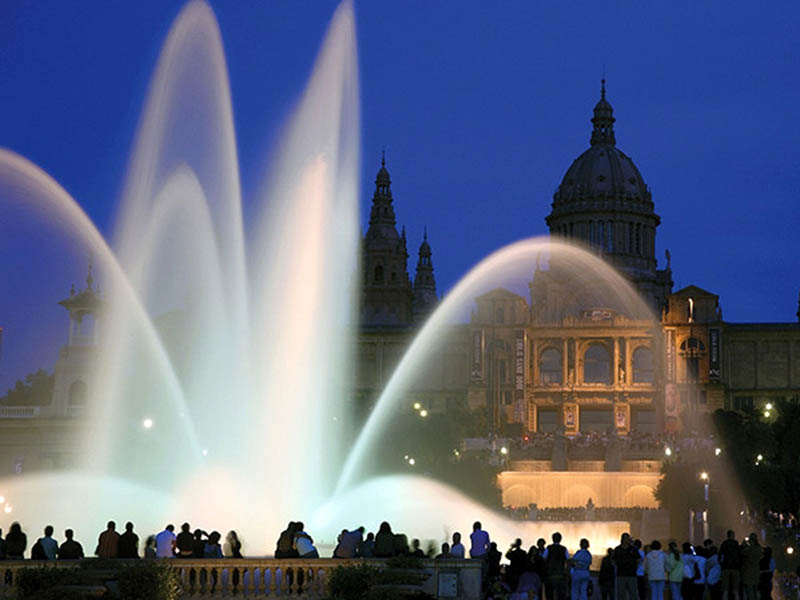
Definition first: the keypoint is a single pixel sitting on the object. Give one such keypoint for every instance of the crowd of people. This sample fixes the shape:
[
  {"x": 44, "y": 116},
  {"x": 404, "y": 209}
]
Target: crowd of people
[
  {"x": 112, "y": 544},
  {"x": 532, "y": 444},
  {"x": 577, "y": 513},
  {"x": 632, "y": 571}
]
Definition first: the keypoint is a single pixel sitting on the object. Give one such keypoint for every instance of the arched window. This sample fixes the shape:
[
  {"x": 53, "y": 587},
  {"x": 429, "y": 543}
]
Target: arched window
[
  {"x": 643, "y": 367},
  {"x": 499, "y": 315},
  {"x": 77, "y": 393},
  {"x": 379, "y": 274},
  {"x": 550, "y": 368},
  {"x": 597, "y": 364}
]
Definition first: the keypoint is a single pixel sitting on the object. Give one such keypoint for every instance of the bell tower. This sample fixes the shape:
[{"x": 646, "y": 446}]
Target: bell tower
[
  {"x": 386, "y": 289},
  {"x": 76, "y": 358}
]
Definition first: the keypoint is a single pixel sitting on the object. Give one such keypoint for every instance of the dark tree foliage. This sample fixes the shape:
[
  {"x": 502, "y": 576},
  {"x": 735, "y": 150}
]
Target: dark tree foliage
[{"x": 35, "y": 390}]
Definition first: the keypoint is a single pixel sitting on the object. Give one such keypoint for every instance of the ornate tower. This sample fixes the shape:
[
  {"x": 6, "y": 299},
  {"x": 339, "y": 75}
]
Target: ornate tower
[
  {"x": 72, "y": 370},
  {"x": 387, "y": 295},
  {"x": 604, "y": 202},
  {"x": 425, "y": 298}
]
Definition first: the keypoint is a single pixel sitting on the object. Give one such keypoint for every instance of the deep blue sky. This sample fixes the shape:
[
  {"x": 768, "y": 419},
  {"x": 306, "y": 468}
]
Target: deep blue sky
[{"x": 481, "y": 107}]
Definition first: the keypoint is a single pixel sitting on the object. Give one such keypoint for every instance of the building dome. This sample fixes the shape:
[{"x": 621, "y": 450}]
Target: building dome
[{"x": 603, "y": 177}]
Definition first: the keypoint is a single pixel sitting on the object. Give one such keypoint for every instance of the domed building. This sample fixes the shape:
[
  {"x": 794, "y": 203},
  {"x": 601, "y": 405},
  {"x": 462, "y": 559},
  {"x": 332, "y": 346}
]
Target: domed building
[{"x": 604, "y": 202}]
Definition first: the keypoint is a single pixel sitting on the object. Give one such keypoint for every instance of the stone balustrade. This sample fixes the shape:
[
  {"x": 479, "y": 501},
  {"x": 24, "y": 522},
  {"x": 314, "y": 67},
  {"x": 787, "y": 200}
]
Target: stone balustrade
[{"x": 266, "y": 577}]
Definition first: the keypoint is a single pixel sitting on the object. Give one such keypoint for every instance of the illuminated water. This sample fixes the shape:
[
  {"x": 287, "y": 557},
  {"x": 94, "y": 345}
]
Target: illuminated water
[{"x": 238, "y": 348}]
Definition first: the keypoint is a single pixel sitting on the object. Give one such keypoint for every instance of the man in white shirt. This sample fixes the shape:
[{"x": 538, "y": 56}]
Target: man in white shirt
[
  {"x": 165, "y": 542},
  {"x": 457, "y": 550},
  {"x": 479, "y": 540}
]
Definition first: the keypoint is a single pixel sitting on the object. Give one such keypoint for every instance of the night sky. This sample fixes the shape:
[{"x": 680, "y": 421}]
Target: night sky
[{"x": 481, "y": 108}]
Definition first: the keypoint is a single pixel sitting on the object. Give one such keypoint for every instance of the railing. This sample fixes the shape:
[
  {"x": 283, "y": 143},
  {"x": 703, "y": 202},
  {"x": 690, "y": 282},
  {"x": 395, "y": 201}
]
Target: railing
[
  {"x": 265, "y": 577},
  {"x": 19, "y": 412}
]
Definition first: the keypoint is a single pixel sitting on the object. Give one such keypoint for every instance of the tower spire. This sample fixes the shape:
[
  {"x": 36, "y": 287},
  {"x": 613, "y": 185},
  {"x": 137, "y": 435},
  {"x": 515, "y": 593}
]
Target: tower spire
[{"x": 603, "y": 120}]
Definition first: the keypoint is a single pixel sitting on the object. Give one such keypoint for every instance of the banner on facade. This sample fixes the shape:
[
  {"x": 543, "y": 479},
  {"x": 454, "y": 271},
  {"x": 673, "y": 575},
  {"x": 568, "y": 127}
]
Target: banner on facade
[
  {"x": 669, "y": 354},
  {"x": 713, "y": 354},
  {"x": 519, "y": 365},
  {"x": 477, "y": 355}
]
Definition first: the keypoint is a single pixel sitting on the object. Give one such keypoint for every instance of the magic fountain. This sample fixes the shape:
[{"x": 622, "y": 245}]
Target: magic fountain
[{"x": 221, "y": 393}]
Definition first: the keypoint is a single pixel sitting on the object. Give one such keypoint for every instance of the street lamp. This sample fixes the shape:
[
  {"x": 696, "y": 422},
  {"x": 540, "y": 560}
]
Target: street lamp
[{"x": 705, "y": 478}]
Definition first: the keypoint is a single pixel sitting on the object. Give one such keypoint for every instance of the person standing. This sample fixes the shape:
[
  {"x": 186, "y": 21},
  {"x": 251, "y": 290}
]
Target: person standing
[
  {"x": 626, "y": 559},
  {"x": 184, "y": 542},
  {"x": 108, "y": 542},
  {"x": 751, "y": 557},
  {"x": 457, "y": 550},
  {"x": 165, "y": 542},
  {"x": 581, "y": 562},
  {"x": 641, "y": 582},
  {"x": 655, "y": 569},
  {"x": 517, "y": 563},
  {"x": 713, "y": 572},
  {"x": 128, "y": 543},
  {"x": 766, "y": 571},
  {"x": 699, "y": 579},
  {"x": 49, "y": 545},
  {"x": 674, "y": 565},
  {"x": 607, "y": 576},
  {"x": 555, "y": 559},
  {"x": 730, "y": 559},
  {"x": 479, "y": 541},
  {"x": 688, "y": 558},
  {"x": 70, "y": 549}
]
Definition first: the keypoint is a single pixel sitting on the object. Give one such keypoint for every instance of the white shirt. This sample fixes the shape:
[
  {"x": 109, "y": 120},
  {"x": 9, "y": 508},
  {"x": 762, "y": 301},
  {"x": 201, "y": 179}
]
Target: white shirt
[
  {"x": 165, "y": 542},
  {"x": 655, "y": 565},
  {"x": 458, "y": 550},
  {"x": 303, "y": 543},
  {"x": 480, "y": 543}
]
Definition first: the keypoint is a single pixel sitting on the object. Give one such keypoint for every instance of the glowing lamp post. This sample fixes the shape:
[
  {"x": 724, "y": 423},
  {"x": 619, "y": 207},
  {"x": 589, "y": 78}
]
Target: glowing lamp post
[{"x": 704, "y": 477}]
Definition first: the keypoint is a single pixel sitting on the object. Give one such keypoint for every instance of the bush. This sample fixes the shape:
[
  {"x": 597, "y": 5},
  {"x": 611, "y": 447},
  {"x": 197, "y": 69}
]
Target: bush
[
  {"x": 38, "y": 583},
  {"x": 351, "y": 582},
  {"x": 149, "y": 580}
]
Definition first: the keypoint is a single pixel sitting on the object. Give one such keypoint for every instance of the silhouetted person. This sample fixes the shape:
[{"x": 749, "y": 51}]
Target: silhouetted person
[
  {"x": 494, "y": 556},
  {"x": 183, "y": 542},
  {"x": 70, "y": 549},
  {"x": 366, "y": 549},
  {"x": 108, "y": 542},
  {"x": 49, "y": 545},
  {"x": 457, "y": 550},
  {"x": 555, "y": 558},
  {"x": 37, "y": 551},
  {"x": 284, "y": 547},
  {"x": 626, "y": 558},
  {"x": 751, "y": 558},
  {"x": 479, "y": 541},
  {"x": 348, "y": 543},
  {"x": 16, "y": 542},
  {"x": 234, "y": 545},
  {"x": 128, "y": 543},
  {"x": 212, "y": 548},
  {"x": 150, "y": 547},
  {"x": 517, "y": 563},
  {"x": 198, "y": 543},
  {"x": 445, "y": 553},
  {"x": 730, "y": 559},
  {"x": 416, "y": 550},
  {"x": 607, "y": 575},
  {"x": 384, "y": 541},
  {"x": 766, "y": 570},
  {"x": 400, "y": 544}
]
